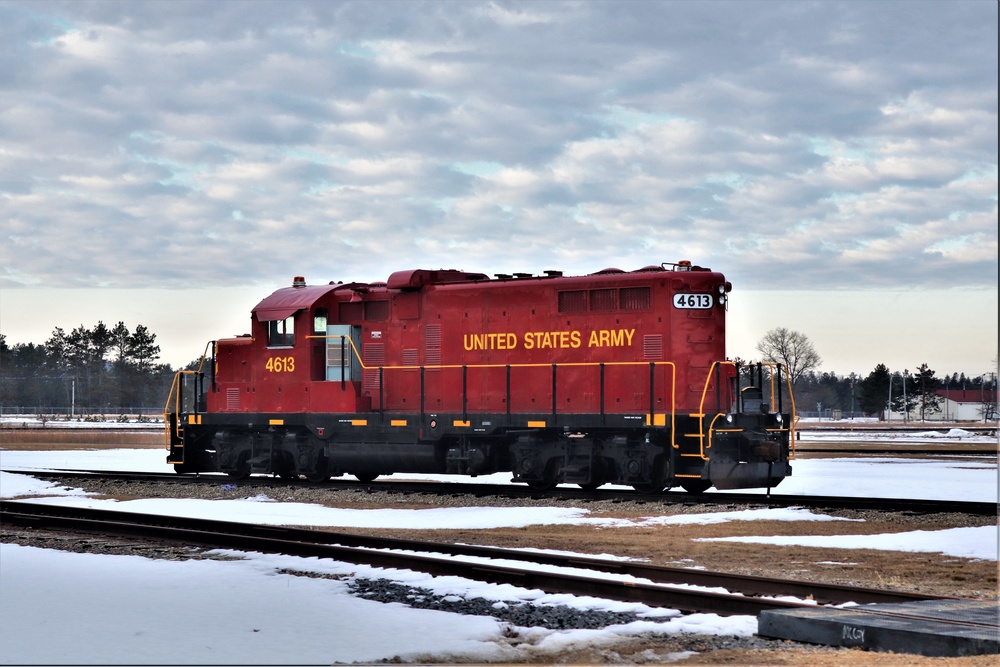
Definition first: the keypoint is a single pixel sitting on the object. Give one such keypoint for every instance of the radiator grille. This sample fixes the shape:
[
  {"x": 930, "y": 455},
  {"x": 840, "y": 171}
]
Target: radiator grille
[
  {"x": 574, "y": 301},
  {"x": 635, "y": 298}
]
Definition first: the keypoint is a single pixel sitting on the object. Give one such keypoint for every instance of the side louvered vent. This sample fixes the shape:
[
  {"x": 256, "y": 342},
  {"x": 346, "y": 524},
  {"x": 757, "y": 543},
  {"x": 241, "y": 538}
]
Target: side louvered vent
[
  {"x": 432, "y": 346},
  {"x": 233, "y": 399},
  {"x": 652, "y": 347},
  {"x": 374, "y": 356}
]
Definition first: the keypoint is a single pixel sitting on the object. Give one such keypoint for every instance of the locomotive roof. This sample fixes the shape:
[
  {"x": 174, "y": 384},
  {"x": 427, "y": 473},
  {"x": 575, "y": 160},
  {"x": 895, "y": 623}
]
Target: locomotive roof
[
  {"x": 288, "y": 300},
  {"x": 417, "y": 278}
]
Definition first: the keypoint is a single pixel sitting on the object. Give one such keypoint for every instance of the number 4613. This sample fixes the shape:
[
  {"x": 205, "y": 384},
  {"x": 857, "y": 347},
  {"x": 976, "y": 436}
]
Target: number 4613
[{"x": 281, "y": 364}]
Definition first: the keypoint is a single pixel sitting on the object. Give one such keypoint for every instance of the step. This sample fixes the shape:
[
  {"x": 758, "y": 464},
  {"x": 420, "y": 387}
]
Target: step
[{"x": 935, "y": 628}]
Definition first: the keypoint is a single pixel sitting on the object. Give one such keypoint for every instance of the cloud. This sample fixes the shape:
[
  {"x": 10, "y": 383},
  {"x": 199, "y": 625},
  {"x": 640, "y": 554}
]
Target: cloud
[{"x": 832, "y": 145}]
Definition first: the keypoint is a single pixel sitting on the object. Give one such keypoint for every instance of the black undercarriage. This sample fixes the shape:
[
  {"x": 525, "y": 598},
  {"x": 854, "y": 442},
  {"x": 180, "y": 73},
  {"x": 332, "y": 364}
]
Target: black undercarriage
[{"x": 726, "y": 451}]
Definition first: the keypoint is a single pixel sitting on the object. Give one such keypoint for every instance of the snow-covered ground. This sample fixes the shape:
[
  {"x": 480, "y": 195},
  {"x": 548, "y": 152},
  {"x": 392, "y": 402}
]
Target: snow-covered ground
[
  {"x": 814, "y": 432},
  {"x": 58, "y": 607}
]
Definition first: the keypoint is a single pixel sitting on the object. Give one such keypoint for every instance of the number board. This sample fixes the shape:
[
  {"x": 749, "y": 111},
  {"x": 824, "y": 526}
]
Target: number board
[{"x": 693, "y": 301}]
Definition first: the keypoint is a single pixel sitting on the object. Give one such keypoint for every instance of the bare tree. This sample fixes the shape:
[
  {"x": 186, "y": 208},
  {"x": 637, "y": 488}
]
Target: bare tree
[{"x": 791, "y": 348}]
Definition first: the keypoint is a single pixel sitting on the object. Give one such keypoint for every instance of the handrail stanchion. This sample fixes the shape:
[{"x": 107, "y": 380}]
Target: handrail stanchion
[
  {"x": 603, "y": 418},
  {"x": 343, "y": 368},
  {"x": 718, "y": 387},
  {"x": 422, "y": 395},
  {"x": 508, "y": 394},
  {"x": 778, "y": 372},
  {"x": 553, "y": 393},
  {"x": 465, "y": 393},
  {"x": 652, "y": 393}
]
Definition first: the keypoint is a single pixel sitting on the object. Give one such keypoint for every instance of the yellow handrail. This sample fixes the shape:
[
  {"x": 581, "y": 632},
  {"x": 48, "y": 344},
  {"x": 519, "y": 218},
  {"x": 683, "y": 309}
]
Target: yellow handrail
[
  {"x": 705, "y": 439},
  {"x": 712, "y": 429},
  {"x": 175, "y": 396},
  {"x": 590, "y": 364}
]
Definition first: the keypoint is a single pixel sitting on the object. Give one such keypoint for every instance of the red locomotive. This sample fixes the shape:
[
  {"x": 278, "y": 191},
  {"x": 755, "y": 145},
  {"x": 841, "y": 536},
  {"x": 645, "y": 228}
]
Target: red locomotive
[{"x": 614, "y": 377}]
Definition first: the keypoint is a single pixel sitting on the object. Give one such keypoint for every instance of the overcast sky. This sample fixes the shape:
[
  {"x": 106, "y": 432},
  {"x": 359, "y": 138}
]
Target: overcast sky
[{"x": 822, "y": 155}]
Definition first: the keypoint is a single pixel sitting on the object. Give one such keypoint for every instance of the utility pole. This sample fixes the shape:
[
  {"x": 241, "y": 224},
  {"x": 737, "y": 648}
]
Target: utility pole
[
  {"x": 923, "y": 398},
  {"x": 852, "y": 396},
  {"x": 888, "y": 406},
  {"x": 906, "y": 406}
]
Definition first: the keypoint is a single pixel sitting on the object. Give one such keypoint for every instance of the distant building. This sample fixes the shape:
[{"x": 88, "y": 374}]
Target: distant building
[{"x": 959, "y": 405}]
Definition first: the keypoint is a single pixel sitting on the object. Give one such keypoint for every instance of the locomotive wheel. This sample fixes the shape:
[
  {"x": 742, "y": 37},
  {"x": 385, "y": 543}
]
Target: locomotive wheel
[
  {"x": 365, "y": 476},
  {"x": 548, "y": 480},
  {"x": 591, "y": 486},
  {"x": 242, "y": 469},
  {"x": 649, "y": 489},
  {"x": 321, "y": 474},
  {"x": 696, "y": 486}
]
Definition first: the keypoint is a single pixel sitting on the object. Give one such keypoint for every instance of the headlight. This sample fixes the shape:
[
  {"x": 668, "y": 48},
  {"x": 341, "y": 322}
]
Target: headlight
[
  {"x": 779, "y": 418},
  {"x": 722, "y": 289}
]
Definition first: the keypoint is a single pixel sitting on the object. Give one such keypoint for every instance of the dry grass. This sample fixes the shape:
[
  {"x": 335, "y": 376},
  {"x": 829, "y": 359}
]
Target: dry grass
[
  {"x": 674, "y": 545},
  {"x": 856, "y": 658},
  {"x": 49, "y": 439},
  {"x": 678, "y": 546}
]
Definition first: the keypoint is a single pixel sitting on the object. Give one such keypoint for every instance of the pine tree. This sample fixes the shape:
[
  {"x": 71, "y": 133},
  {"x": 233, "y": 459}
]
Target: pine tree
[
  {"x": 143, "y": 353},
  {"x": 925, "y": 387},
  {"x": 875, "y": 391}
]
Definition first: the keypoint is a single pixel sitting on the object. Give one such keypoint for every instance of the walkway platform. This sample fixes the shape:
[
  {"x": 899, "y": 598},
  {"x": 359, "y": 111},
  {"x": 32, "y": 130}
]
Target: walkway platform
[{"x": 935, "y": 628}]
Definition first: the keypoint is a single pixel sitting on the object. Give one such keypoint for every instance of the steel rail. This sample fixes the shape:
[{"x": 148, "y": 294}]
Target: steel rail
[
  {"x": 912, "y": 505},
  {"x": 931, "y": 450},
  {"x": 210, "y": 535},
  {"x": 372, "y": 550}
]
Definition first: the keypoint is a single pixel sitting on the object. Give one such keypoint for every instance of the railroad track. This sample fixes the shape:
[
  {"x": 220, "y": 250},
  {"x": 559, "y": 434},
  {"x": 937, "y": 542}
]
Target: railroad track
[
  {"x": 608, "y": 579},
  {"x": 919, "y": 506},
  {"x": 882, "y": 449},
  {"x": 895, "y": 427}
]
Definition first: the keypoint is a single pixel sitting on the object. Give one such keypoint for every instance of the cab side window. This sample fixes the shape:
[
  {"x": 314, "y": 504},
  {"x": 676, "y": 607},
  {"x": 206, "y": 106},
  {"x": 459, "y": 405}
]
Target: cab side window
[
  {"x": 319, "y": 321},
  {"x": 281, "y": 333}
]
